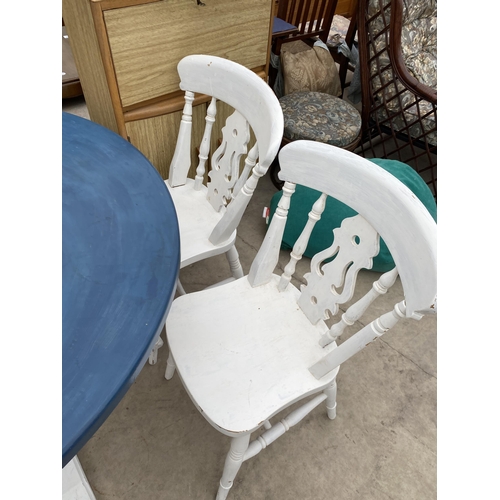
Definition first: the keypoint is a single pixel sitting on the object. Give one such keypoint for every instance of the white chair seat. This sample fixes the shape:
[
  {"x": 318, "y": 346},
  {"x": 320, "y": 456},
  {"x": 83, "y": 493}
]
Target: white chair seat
[
  {"x": 197, "y": 219},
  {"x": 240, "y": 373}
]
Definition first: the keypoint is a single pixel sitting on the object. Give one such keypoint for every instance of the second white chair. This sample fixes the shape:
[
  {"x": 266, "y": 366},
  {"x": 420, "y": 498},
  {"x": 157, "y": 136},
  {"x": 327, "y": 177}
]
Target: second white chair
[
  {"x": 249, "y": 349},
  {"x": 209, "y": 214}
]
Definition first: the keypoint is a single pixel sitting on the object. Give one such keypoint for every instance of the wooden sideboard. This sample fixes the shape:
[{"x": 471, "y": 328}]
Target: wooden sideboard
[{"x": 126, "y": 53}]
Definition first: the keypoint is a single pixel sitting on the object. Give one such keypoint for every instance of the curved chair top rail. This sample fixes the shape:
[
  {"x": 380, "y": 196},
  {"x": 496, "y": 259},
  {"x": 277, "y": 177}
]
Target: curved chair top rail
[
  {"x": 387, "y": 204},
  {"x": 242, "y": 89}
]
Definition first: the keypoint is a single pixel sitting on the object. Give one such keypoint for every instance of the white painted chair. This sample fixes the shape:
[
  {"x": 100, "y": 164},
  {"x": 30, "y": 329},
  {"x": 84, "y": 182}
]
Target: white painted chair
[
  {"x": 249, "y": 349},
  {"x": 209, "y": 215}
]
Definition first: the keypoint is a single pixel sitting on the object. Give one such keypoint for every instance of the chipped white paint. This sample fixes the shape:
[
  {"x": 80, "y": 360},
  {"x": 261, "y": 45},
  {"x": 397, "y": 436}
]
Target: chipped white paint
[
  {"x": 266, "y": 345},
  {"x": 207, "y": 228},
  {"x": 75, "y": 485},
  {"x": 226, "y": 161}
]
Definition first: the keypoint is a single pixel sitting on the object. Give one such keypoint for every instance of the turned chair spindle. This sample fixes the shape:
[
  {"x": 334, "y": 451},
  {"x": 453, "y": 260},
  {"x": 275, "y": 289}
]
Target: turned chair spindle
[{"x": 205, "y": 143}]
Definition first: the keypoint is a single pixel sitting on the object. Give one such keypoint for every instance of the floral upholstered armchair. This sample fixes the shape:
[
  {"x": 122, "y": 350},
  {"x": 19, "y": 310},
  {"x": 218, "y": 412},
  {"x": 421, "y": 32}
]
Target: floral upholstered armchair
[{"x": 398, "y": 72}]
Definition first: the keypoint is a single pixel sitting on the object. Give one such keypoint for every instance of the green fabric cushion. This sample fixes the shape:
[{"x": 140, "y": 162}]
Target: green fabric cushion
[{"x": 335, "y": 212}]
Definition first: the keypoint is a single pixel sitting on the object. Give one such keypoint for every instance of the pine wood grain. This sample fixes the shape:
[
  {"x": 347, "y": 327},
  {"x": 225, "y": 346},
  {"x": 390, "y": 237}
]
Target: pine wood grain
[
  {"x": 156, "y": 137},
  {"x": 147, "y": 41}
]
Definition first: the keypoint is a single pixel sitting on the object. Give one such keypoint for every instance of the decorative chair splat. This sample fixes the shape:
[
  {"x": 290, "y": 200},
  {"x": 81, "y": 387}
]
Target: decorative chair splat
[
  {"x": 355, "y": 243},
  {"x": 226, "y": 160}
]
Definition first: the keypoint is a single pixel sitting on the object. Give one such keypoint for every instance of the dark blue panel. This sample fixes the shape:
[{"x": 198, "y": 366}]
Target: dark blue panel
[
  {"x": 279, "y": 26},
  {"x": 121, "y": 260}
]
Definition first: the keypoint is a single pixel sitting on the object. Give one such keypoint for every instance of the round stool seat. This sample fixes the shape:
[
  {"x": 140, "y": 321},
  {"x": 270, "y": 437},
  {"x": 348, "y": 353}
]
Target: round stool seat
[{"x": 321, "y": 117}]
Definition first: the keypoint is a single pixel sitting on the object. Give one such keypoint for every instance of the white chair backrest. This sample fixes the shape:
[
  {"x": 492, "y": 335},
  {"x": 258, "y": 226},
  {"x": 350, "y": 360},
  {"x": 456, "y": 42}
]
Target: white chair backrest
[
  {"x": 256, "y": 106},
  {"x": 386, "y": 208},
  {"x": 242, "y": 89}
]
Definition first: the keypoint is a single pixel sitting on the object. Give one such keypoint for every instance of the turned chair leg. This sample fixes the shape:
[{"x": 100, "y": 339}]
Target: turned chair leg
[
  {"x": 331, "y": 400},
  {"x": 180, "y": 288},
  {"x": 233, "y": 463},
  {"x": 153, "y": 357},
  {"x": 169, "y": 372},
  {"x": 234, "y": 262}
]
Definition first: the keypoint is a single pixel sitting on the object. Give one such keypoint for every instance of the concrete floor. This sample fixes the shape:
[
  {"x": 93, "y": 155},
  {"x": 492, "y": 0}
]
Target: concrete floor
[{"x": 381, "y": 446}]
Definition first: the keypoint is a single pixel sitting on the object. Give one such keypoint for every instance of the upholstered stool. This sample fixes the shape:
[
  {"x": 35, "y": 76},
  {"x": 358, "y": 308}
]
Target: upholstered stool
[{"x": 318, "y": 117}]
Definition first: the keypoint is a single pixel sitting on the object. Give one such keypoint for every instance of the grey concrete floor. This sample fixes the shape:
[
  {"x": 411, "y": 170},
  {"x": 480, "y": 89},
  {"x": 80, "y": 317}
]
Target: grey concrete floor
[{"x": 381, "y": 446}]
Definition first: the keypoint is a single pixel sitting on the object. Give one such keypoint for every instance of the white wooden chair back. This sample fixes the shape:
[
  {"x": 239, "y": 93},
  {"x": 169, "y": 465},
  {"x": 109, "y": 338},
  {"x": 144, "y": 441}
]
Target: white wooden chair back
[
  {"x": 256, "y": 107},
  {"x": 387, "y": 209}
]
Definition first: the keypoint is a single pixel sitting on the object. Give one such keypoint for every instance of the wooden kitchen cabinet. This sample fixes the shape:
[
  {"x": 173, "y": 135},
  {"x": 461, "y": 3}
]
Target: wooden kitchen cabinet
[{"x": 126, "y": 53}]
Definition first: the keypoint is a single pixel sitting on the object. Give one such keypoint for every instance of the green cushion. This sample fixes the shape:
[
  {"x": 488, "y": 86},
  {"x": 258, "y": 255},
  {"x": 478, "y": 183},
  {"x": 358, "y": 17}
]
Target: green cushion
[{"x": 335, "y": 212}]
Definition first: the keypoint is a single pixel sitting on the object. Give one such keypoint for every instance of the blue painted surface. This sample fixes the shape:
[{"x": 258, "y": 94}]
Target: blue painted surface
[
  {"x": 280, "y": 25},
  {"x": 121, "y": 260}
]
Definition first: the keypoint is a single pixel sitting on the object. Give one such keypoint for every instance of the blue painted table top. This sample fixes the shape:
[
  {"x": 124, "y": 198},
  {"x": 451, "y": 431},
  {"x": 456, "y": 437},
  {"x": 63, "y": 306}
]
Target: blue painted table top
[{"x": 121, "y": 260}]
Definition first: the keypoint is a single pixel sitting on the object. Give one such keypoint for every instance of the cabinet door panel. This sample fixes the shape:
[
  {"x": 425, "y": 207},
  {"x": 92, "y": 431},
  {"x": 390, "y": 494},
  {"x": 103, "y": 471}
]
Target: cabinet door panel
[{"x": 147, "y": 41}]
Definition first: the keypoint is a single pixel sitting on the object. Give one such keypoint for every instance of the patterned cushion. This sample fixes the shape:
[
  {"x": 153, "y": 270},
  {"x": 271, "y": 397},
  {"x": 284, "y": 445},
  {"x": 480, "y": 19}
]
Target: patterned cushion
[
  {"x": 419, "y": 48},
  {"x": 320, "y": 117},
  {"x": 309, "y": 69}
]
